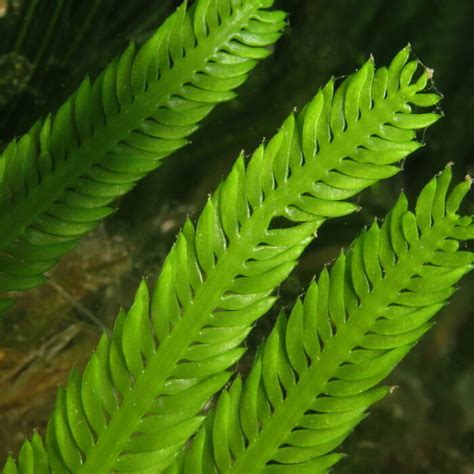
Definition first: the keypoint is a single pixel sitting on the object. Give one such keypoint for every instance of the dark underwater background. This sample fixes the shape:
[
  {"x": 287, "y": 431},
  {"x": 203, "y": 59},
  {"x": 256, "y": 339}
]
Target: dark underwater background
[{"x": 47, "y": 47}]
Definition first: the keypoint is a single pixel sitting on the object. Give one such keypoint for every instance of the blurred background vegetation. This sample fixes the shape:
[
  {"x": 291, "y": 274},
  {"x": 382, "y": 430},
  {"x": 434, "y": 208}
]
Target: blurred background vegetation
[{"x": 48, "y": 46}]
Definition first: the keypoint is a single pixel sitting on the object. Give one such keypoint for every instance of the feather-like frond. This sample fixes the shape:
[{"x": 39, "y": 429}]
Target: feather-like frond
[
  {"x": 141, "y": 394},
  {"x": 318, "y": 372},
  {"x": 57, "y": 181}
]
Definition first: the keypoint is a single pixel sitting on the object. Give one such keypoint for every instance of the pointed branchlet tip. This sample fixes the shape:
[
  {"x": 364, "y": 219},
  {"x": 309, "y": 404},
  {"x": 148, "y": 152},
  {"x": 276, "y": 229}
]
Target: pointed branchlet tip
[
  {"x": 240, "y": 161},
  {"x": 281, "y": 321},
  {"x": 312, "y": 291},
  {"x": 392, "y": 389},
  {"x": 264, "y": 3},
  {"x": 182, "y": 8},
  {"x": 400, "y": 59},
  {"x": 370, "y": 63},
  {"x": 312, "y": 283},
  {"x": 289, "y": 122},
  {"x": 288, "y": 125},
  {"x": 143, "y": 285},
  {"x": 405, "y": 53},
  {"x": 447, "y": 171},
  {"x": 188, "y": 228},
  {"x": 368, "y": 68},
  {"x": 141, "y": 296},
  {"x": 10, "y": 466},
  {"x": 457, "y": 195},
  {"x": 429, "y": 72},
  {"x": 401, "y": 201}
]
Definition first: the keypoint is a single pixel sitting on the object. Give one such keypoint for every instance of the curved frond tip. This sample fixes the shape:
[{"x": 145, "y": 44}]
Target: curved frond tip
[
  {"x": 318, "y": 372},
  {"x": 143, "y": 392}
]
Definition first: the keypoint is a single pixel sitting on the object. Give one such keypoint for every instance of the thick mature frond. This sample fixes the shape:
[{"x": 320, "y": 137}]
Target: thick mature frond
[
  {"x": 140, "y": 396},
  {"x": 57, "y": 181},
  {"x": 318, "y": 372}
]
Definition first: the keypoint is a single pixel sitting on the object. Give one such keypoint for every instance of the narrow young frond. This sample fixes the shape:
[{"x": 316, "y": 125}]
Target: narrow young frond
[
  {"x": 317, "y": 373},
  {"x": 141, "y": 394},
  {"x": 57, "y": 181}
]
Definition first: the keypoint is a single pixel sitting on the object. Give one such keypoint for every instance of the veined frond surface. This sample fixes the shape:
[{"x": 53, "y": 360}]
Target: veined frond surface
[
  {"x": 57, "y": 181},
  {"x": 141, "y": 394},
  {"x": 318, "y": 372}
]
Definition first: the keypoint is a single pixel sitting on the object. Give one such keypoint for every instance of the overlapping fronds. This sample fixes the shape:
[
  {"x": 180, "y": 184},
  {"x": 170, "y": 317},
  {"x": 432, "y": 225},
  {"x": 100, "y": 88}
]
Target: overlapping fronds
[
  {"x": 32, "y": 458},
  {"x": 141, "y": 394},
  {"x": 57, "y": 181},
  {"x": 318, "y": 372}
]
